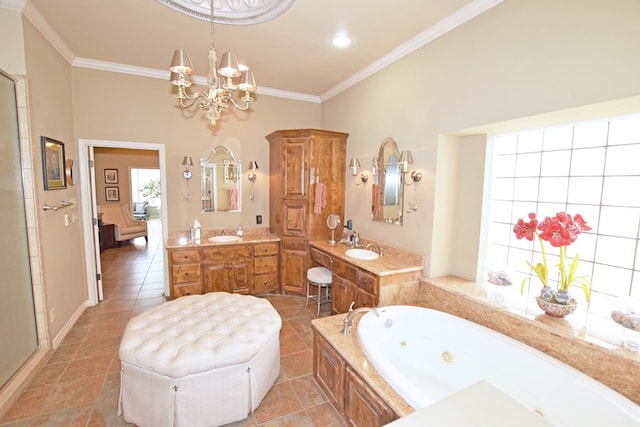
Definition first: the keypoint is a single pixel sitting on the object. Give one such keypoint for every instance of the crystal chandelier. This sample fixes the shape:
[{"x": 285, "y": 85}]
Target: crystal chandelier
[{"x": 221, "y": 82}]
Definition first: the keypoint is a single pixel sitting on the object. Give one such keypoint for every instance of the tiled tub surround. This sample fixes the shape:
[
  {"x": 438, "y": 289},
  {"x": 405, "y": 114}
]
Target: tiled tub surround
[
  {"x": 583, "y": 341},
  {"x": 605, "y": 362}
]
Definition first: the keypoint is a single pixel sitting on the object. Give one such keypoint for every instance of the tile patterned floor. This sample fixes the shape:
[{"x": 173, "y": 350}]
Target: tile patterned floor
[{"x": 79, "y": 386}]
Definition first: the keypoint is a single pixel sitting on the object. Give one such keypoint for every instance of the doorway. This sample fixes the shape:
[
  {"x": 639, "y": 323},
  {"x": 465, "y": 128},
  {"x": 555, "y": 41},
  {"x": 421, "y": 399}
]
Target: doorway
[{"x": 92, "y": 186}]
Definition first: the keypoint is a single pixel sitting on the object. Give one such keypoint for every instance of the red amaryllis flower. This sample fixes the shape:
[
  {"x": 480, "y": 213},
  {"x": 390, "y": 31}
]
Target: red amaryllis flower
[
  {"x": 560, "y": 231},
  {"x": 526, "y": 229}
]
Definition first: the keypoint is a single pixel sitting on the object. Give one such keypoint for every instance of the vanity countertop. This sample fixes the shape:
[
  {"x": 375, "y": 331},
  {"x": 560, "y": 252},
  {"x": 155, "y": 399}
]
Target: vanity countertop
[
  {"x": 394, "y": 260},
  {"x": 183, "y": 242}
]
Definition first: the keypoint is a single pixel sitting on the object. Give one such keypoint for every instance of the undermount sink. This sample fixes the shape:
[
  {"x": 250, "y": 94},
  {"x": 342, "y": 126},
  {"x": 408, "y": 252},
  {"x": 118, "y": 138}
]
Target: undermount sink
[
  {"x": 363, "y": 254},
  {"x": 224, "y": 239}
]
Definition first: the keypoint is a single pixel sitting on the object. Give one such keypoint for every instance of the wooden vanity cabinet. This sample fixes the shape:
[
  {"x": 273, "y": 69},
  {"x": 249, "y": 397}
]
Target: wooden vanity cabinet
[
  {"x": 228, "y": 269},
  {"x": 184, "y": 272},
  {"x": 246, "y": 269},
  {"x": 265, "y": 268},
  {"x": 299, "y": 159},
  {"x": 349, "y": 394}
]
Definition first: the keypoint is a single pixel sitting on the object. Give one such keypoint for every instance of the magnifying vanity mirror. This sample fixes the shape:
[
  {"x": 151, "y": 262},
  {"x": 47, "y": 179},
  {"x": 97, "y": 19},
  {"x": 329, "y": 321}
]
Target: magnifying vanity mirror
[
  {"x": 221, "y": 181},
  {"x": 388, "y": 190}
]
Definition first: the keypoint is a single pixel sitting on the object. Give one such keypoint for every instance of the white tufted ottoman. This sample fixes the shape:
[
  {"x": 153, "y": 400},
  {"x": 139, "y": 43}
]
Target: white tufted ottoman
[{"x": 200, "y": 360}]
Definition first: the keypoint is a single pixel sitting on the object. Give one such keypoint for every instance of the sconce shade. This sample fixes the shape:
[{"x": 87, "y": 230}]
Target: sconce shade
[
  {"x": 354, "y": 164},
  {"x": 187, "y": 161},
  {"x": 253, "y": 165},
  {"x": 406, "y": 159},
  {"x": 181, "y": 63}
]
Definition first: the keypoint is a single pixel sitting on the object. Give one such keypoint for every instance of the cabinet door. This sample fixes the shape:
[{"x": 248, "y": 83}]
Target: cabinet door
[
  {"x": 215, "y": 277},
  {"x": 343, "y": 293},
  {"x": 241, "y": 276},
  {"x": 295, "y": 218},
  {"x": 294, "y": 156},
  {"x": 293, "y": 269},
  {"x": 362, "y": 406},
  {"x": 329, "y": 371}
]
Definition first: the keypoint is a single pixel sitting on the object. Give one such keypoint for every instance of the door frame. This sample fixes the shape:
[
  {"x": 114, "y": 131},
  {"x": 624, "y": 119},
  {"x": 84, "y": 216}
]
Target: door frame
[{"x": 90, "y": 220}]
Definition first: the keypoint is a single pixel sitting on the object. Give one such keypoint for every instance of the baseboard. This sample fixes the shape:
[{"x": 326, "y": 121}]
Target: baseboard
[{"x": 67, "y": 327}]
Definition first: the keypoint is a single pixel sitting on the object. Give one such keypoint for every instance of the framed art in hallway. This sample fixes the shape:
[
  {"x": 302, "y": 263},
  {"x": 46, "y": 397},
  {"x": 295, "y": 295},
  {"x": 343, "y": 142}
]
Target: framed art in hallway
[
  {"x": 53, "y": 164},
  {"x": 112, "y": 194},
  {"x": 111, "y": 176}
]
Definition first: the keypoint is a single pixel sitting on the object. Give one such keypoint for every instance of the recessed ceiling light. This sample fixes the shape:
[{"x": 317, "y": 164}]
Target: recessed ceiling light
[{"x": 341, "y": 41}]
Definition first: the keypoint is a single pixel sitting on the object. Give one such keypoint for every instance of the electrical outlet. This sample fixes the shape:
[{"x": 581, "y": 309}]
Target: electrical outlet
[
  {"x": 52, "y": 315},
  {"x": 258, "y": 219},
  {"x": 67, "y": 220}
]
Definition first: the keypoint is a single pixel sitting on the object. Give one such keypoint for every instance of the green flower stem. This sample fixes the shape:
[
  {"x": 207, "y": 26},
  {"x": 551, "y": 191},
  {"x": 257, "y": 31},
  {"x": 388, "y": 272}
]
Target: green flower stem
[{"x": 564, "y": 285}]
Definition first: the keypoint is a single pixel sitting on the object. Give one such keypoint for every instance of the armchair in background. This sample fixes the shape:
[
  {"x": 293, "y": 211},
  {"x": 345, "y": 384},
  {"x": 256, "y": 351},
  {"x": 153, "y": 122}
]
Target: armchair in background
[
  {"x": 141, "y": 210},
  {"x": 126, "y": 228}
]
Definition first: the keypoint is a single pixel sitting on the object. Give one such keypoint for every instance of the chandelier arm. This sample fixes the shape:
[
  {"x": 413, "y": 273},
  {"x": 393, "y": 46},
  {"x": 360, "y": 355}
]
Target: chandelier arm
[{"x": 247, "y": 102}]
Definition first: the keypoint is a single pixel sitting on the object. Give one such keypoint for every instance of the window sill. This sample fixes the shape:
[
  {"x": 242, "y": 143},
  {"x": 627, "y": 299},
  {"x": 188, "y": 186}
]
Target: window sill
[{"x": 578, "y": 340}]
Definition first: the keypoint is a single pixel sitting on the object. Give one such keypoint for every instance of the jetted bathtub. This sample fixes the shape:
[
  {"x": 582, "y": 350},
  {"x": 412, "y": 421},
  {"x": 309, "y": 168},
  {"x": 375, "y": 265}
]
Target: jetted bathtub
[{"x": 427, "y": 355}]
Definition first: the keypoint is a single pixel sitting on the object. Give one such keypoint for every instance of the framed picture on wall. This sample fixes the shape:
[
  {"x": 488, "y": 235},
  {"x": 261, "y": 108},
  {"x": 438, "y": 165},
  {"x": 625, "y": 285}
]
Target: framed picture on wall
[
  {"x": 112, "y": 194},
  {"x": 53, "y": 164},
  {"x": 111, "y": 176}
]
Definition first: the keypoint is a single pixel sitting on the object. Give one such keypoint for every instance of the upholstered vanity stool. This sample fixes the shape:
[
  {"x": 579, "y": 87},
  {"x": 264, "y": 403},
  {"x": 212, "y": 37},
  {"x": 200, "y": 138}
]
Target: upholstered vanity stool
[
  {"x": 321, "y": 278},
  {"x": 199, "y": 360}
]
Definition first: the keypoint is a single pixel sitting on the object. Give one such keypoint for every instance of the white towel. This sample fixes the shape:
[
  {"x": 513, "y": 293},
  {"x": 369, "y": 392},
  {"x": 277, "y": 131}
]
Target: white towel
[{"x": 321, "y": 198}]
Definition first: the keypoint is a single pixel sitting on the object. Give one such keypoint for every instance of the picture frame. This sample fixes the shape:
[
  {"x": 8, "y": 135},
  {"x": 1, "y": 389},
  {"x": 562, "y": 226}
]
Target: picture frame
[
  {"x": 111, "y": 176},
  {"x": 112, "y": 194},
  {"x": 53, "y": 164}
]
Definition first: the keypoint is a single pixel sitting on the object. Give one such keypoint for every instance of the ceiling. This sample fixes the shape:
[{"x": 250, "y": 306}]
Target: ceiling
[{"x": 291, "y": 56}]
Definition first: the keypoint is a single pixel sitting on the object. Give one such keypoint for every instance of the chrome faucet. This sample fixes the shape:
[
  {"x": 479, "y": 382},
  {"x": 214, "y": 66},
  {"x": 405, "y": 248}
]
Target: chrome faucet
[
  {"x": 348, "y": 321},
  {"x": 374, "y": 248}
]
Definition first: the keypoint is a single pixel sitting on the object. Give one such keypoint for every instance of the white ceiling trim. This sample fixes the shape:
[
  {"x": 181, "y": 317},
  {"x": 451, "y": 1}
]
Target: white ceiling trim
[
  {"x": 38, "y": 21},
  {"x": 452, "y": 21},
  {"x": 16, "y": 5}
]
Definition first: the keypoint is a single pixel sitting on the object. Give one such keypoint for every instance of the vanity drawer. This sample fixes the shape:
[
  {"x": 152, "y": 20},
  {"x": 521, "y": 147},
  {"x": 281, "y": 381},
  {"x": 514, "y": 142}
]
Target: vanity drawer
[
  {"x": 289, "y": 244},
  {"x": 186, "y": 273},
  {"x": 365, "y": 299},
  {"x": 262, "y": 249},
  {"x": 266, "y": 265},
  {"x": 344, "y": 270},
  {"x": 184, "y": 257},
  {"x": 366, "y": 281},
  {"x": 188, "y": 289},
  {"x": 266, "y": 283},
  {"x": 321, "y": 258},
  {"x": 227, "y": 253}
]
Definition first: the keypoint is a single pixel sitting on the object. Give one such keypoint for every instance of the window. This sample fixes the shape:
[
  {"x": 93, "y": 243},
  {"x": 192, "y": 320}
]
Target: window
[{"x": 590, "y": 168}]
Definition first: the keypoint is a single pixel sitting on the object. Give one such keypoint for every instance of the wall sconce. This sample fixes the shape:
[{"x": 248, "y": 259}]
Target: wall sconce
[
  {"x": 253, "y": 165},
  {"x": 354, "y": 165},
  {"x": 187, "y": 163},
  {"x": 406, "y": 159}
]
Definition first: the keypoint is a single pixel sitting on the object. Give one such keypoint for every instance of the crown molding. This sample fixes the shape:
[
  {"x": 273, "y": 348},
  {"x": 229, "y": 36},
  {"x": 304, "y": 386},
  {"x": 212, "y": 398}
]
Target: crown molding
[
  {"x": 454, "y": 20},
  {"x": 164, "y": 75},
  {"x": 38, "y": 21},
  {"x": 17, "y": 5}
]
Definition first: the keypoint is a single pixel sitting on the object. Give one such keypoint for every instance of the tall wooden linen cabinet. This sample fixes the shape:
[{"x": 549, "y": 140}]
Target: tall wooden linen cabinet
[{"x": 300, "y": 160}]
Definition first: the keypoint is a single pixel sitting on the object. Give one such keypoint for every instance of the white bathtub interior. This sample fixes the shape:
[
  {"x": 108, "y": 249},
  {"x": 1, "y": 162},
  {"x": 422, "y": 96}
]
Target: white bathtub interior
[{"x": 427, "y": 355}]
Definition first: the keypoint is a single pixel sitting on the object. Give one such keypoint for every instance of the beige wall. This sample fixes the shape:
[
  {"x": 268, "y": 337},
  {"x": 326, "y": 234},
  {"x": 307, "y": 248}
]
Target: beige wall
[
  {"x": 11, "y": 43},
  {"x": 49, "y": 83},
  {"x": 521, "y": 58},
  {"x": 110, "y": 106}
]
